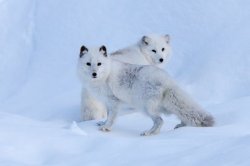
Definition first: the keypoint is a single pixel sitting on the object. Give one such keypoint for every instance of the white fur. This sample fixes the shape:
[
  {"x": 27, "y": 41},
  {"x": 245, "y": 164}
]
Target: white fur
[
  {"x": 140, "y": 53},
  {"x": 91, "y": 108},
  {"x": 121, "y": 83}
]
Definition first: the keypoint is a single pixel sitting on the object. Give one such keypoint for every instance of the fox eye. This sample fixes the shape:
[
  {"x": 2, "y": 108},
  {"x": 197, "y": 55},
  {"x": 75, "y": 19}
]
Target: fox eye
[
  {"x": 88, "y": 64},
  {"x": 99, "y": 64},
  {"x": 154, "y": 51},
  {"x": 162, "y": 49}
]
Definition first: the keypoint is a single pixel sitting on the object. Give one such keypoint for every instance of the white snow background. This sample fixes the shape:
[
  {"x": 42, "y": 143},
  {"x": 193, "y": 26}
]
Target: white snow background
[{"x": 40, "y": 92}]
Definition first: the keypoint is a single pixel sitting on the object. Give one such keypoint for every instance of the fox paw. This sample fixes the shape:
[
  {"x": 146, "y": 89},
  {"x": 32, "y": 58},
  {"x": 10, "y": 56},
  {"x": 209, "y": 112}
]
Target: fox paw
[
  {"x": 101, "y": 123},
  {"x": 148, "y": 133},
  {"x": 179, "y": 125},
  {"x": 105, "y": 128}
]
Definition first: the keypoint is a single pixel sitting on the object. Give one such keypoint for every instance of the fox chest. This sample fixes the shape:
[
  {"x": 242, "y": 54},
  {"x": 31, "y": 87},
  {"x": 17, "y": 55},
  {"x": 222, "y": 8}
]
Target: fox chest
[{"x": 102, "y": 92}]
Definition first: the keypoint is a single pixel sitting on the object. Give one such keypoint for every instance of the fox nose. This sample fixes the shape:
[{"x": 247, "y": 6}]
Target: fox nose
[
  {"x": 94, "y": 74},
  {"x": 161, "y": 60}
]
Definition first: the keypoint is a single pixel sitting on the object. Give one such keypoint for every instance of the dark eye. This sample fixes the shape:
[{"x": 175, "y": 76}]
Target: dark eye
[
  {"x": 154, "y": 51},
  {"x": 99, "y": 64},
  {"x": 162, "y": 49},
  {"x": 88, "y": 64}
]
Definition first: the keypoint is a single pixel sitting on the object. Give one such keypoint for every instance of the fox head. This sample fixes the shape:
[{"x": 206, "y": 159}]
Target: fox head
[
  {"x": 93, "y": 63},
  {"x": 156, "y": 48}
]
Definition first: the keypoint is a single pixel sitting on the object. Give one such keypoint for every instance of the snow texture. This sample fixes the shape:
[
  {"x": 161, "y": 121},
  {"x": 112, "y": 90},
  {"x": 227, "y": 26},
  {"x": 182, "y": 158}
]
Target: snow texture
[{"x": 40, "y": 93}]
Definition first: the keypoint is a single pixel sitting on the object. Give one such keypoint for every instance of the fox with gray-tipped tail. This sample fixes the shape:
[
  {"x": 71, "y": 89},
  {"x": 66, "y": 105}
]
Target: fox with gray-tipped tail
[{"x": 145, "y": 87}]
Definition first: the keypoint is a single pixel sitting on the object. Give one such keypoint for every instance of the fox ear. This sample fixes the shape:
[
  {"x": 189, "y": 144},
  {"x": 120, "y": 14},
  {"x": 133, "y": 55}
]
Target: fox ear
[
  {"x": 83, "y": 50},
  {"x": 145, "y": 40},
  {"x": 103, "y": 50},
  {"x": 167, "y": 37}
]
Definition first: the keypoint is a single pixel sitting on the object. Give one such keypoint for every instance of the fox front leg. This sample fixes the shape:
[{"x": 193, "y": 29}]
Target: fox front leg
[{"x": 112, "y": 114}]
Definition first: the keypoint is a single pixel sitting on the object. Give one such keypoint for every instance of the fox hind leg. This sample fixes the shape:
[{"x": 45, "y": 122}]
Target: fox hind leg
[
  {"x": 182, "y": 124},
  {"x": 157, "y": 120}
]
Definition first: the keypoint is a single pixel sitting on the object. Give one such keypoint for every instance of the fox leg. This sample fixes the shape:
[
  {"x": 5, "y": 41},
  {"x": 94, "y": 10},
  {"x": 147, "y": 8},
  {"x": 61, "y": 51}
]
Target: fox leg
[
  {"x": 157, "y": 120},
  {"x": 182, "y": 124},
  {"x": 112, "y": 114}
]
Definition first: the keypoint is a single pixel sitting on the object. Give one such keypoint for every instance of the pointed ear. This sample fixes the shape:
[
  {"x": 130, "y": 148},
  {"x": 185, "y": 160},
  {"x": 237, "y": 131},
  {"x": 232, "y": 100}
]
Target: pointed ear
[
  {"x": 145, "y": 40},
  {"x": 83, "y": 50},
  {"x": 103, "y": 50},
  {"x": 167, "y": 38}
]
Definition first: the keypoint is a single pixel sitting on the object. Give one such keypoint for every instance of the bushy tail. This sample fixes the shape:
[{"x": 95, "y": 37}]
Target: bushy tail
[
  {"x": 208, "y": 121},
  {"x": 176, "y": 101}
]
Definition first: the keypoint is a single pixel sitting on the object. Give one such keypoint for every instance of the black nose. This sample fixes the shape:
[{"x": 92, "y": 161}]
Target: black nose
[
  {"x": 161, "y": 59},
  {"x": 94, "y": 74}
]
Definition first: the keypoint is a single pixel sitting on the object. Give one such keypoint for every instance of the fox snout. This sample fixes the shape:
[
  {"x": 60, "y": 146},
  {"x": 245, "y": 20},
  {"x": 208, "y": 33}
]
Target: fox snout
[
  {"x": 94, "y": 75},
  {"x": 161, "y": 60}
]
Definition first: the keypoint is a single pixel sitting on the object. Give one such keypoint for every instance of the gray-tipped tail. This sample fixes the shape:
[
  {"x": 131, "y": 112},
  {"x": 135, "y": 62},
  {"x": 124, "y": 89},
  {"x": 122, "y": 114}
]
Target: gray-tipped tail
[
  {"x": 208, "y": 121},
  {"x": 190, "y": 113}
]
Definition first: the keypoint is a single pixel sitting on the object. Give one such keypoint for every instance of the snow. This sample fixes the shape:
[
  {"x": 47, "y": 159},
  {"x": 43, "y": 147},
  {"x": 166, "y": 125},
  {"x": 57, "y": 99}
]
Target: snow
[{"x": 40, "y": 93}]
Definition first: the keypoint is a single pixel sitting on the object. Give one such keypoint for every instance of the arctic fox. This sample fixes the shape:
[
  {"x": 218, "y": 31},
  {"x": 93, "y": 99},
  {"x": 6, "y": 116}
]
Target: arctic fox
[
  {"x": 149, "y": 50},
  {"x": 145, "y": 87}
]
